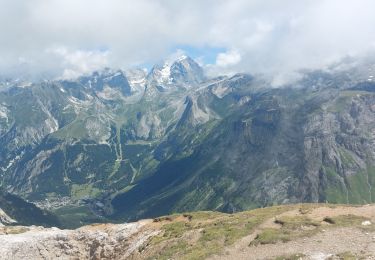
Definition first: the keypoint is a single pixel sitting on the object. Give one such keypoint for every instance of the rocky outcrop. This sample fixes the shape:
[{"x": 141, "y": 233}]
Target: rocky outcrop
[{"x": 102, "y": 241}]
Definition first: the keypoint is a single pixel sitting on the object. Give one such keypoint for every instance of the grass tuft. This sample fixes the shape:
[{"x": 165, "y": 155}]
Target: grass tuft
[{"x": 291, "y": 228}]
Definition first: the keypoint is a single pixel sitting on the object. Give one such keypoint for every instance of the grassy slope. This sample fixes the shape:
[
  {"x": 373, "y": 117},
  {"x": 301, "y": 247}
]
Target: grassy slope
[{"x": 201, "y": 234}]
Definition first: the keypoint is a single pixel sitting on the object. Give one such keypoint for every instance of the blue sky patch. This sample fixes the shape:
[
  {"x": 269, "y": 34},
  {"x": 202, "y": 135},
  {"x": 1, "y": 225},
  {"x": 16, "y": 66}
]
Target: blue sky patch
[{"x": 206, "y": 54}]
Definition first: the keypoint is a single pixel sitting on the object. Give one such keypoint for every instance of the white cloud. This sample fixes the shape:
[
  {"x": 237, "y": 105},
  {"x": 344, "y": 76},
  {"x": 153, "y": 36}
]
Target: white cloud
[
  {"x": 273, "y": 37},
  {"x": 228, "y": 58},
  {"x": 80, "y": 62}
]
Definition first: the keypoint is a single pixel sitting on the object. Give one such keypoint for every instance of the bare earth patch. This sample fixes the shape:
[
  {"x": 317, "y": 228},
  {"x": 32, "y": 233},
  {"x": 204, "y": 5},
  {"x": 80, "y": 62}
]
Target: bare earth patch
[{"x": 330, "y": 242}]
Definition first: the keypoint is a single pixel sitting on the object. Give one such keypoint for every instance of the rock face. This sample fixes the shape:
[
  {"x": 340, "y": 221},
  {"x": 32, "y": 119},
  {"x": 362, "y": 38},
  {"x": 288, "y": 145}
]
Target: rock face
[
  {"x": 338, "y": 146},
  {"x": 126, "y": 145},
  {"x": 91, "y": 242}
]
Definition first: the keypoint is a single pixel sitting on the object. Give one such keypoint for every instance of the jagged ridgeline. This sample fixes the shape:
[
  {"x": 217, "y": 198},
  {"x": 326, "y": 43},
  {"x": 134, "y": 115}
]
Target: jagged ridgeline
[{"x": 129, "y": 144}]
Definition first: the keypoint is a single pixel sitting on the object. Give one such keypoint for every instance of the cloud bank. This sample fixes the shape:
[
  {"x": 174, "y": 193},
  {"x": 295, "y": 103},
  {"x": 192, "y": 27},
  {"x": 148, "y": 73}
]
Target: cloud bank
[{"x": 64, "y": 38}]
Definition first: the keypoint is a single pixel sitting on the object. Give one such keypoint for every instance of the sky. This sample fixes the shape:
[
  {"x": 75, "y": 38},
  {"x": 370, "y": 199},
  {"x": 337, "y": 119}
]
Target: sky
[{"x": 67, "y": 38}]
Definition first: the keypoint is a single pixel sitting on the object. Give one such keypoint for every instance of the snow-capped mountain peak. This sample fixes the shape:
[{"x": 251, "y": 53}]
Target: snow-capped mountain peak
[{"x": 182, "y": 70}]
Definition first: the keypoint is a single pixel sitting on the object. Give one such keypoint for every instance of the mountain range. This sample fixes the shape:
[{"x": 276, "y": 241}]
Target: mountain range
[{"x": 123, "y": 145}]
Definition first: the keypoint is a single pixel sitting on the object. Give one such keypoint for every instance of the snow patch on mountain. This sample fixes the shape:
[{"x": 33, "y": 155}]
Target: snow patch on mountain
[
  {"x": 137, "y": 79},
  {"x": 11, "y": 162},
  {"x": 4, "y": 113}
]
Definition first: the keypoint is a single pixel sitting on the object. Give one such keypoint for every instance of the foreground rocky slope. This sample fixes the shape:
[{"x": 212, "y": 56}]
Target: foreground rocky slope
[
  {"x": 126, "y": 145},
  {"x": 304, "y": 231}
]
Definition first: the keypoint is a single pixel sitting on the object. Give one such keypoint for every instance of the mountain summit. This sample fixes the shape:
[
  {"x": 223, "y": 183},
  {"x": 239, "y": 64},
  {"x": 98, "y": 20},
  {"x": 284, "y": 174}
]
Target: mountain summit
[{"x": 182, "y": 71}]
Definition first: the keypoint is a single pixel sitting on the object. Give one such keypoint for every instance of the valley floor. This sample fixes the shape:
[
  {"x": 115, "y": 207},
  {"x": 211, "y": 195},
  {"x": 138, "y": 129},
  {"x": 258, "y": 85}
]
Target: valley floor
[{"x": 304, "y": 231}]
